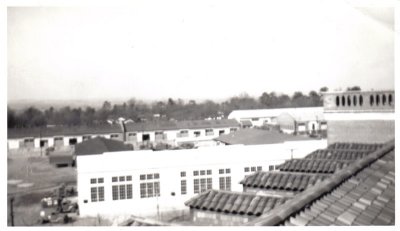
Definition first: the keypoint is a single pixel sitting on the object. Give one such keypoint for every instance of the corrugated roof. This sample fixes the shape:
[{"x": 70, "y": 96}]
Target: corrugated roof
[
  {"x": 234, "y": 202},
  {"x": 100, "y": 145},
  {"x": 63, "y": 131},
  {"x": 177, "y": 125},
  {"x": 258, "y": 136},
  {"x": 363, "y": 193}
]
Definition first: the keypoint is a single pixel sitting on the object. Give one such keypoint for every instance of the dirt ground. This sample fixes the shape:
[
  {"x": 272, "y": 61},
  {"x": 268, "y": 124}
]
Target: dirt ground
[{"x": 45, "y": 178}]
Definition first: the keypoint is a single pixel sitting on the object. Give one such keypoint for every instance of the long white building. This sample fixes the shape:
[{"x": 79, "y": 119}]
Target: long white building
[{"x": 146, "y": 183}]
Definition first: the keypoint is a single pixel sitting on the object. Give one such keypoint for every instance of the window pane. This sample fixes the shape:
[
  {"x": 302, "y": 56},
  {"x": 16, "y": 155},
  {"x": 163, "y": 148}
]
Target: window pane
[
  {"x": 195, "y": 173},
  {"x": 228, "y": 183},
  {"x": 222, "y": 183},
  {"x": 202, "y": 185},
  {"x": 115, "y": 192},
  {"x": 209, "y": 172},
  {"x": 101, "y": 193},
  {"x": 128, "y": 178},
  {"x": 150, "y": 190},
  {"x": 246, "y": 169},
  {"x": 121, "y": 178},
  {"x": 122, "y": 192},
  {"x": 221, "y": 171},
  {"x": 93, "y": 181},
  {"x": 183, "y": 174},
  {"x": 183, "y": 187},
  {"x": 142, "y": 177},
  {"x": 114, "y": 179},
  {"x": 157, "y": 188},
  {"x": 149, "y": 176},
  {"x": 228, "y": 170},
  {"x": 202, "y": 173},
  {"x": 100, "y": 180},
  {"x": 271, "y": 167},
  {"x": 253, "y": 169},
  {"x": 209, "y": 183},
  {"x": 93, "y": 194},
  {"x": 143, "y": 190},
  {"x": 156, "y": 176},
  {"x": 128, "y": 191},
  {"x": 259, "y": 168},
  {"x": 196, "y": 185}
]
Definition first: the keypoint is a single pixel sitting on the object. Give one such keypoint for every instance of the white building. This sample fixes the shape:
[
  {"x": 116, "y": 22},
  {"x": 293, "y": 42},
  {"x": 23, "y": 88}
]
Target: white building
[
  {"x": 260, "y": 117},
  {"x": 146, "y": 183},
  {"x": 175, "y": 133}
]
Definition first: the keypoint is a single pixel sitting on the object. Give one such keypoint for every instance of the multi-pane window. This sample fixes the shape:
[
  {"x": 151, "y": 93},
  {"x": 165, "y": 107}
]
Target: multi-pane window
[
  {"x": 252, "y": 169},
  {"x": 183, "y": 133},
  {"x": 97, "y": 191},
  {"x": 233, "y": 129},
  {"x": 183, "y": 187},
  {"x": 202, "y": 182},
  {"x": 209, "y": 132},
  {"x": 197, "y": 133},
  {"x": 225, "y": 181},
  {"x": 271, "y": 167},
  {"x": 183, "y": 174},
  {"x": 122, "y": 187},
  {"x": 150, "y": 185}
]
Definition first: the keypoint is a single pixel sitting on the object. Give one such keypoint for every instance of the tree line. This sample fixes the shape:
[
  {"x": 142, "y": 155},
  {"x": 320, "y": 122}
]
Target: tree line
[{"x": 171, "y": 109}]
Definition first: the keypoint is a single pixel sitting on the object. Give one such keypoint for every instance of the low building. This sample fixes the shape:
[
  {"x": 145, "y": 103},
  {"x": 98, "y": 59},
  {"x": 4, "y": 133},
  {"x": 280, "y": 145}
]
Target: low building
[
  {"x": 302, "y": 122},
  {"x": 144, "y": 183},
  {"x": 35, "y": 139},
  {"x": 262, "y": 117},
  {"x": 177, "y": 133}
]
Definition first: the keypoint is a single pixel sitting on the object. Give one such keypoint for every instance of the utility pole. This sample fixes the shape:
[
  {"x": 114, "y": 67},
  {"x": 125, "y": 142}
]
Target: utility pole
[{"x": 12, "y": 210}]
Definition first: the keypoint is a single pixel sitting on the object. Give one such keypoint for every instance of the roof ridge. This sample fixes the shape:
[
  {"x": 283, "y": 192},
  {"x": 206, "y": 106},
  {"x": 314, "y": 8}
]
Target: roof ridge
[{"x": 281, "y": 213}]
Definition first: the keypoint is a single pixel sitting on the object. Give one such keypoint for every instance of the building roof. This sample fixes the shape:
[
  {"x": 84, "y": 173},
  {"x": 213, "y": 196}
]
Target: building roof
[
  {"x": 63, "y": 131},
  {"x": 312, "y": 166},
  {"x": 140, "y": 221},
  {"x": 100, "y": 145},
  {"x": 285, "y": 181},
  {"x": 258, "y": 136},
  {"x": 61, "y": 159},
  {"x": 268, "y": 113},
  {"x": 234, "y": 202},
  {"x": 178, "y": 125},
  {"x": 363, "y": 193}
]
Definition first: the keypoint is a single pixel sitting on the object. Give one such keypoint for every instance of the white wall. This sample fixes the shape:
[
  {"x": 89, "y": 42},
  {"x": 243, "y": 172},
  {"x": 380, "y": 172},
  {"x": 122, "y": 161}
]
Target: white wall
[
  {"x": 13, "y": 143},
  {"x": 169, "y": 164}
]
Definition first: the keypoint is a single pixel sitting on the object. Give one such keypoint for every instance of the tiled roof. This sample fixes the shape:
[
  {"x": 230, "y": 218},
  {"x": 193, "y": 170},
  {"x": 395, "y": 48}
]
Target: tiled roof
[
  {"x": 355, "y": 146},
  {"x": 282, "y": 180},
  {"x": 312, "y": 166},
  {"x": 363, "y": 193},
  {"x": 234, "y": 202},
  {"x": 258, "y": 136},
  {"x": 63, "y": 131},
  {"x": 332, "y": 154},
  {"x": 100, "y": 145},
  {"x": 171, "y": 125}
]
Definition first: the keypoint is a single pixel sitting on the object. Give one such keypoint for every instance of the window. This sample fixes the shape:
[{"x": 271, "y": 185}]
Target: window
[
  {"x": 271, "y": 168},
  {"x": 383, "y": 99},
  {"x": 253, "y": 169},
  {"x": 337, "y": 101},
  {"x": 209, "y": 132},
  {"x": 371, "y": 100},
  {"x": 202, "y": 182},
  {"x": 97, "y": 190},
  {"x": 183, "y": 133},
  {"x": 183, "y": 187},
  {"x": 343, "y": 101},
  {"x": 146, "y": 137},
  {"x": 228, "y": 170},
  {"x": 196, "y": 185},
  {"x": 114, "y": 135},
  {"x": 131, "y": 134},
  {"x": 348, "y": 101},
  {"x": 355, "y": 100},
  {"x": 390, "y": 100},
  {"x": 361, "y": 99},
  {"x": 254, "y": 119},
  {"x": 225, "y": 183},
  {"x": 259, "y": 168},
  {"x": 195, "y": 173},
  {"x": 377, "y": 99},
  {"x": 246, "y": 169},
  {"x": 197, "y": 133},
  {"x": 221, "y": 171},
  {"x": 120, "y": 189},
  {"x": 233, "y": 129},
  {"x": 151, "y": 188},
  {"x": 221, "y": 132},
  {"x": 183, "y": 174}
]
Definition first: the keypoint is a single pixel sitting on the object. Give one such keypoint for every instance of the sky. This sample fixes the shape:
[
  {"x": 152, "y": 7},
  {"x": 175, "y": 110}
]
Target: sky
[{"x": 197, "y": 49}]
